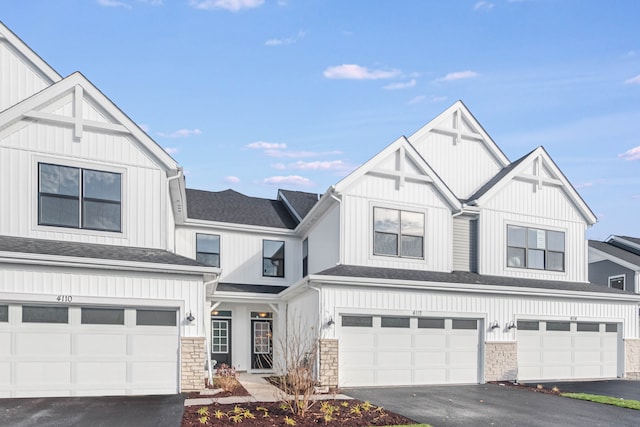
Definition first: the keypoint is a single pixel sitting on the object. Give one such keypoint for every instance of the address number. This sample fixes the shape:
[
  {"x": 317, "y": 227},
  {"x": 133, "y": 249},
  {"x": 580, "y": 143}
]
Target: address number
[
  {"x": 64, "y": 298},
  {"x": 417, "y": 312}
]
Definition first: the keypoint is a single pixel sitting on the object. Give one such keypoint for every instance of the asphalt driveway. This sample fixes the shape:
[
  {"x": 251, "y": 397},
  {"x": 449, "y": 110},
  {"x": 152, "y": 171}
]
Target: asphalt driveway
[
  {"x": 493, "y": 405},
  {"x": 138, "y": 411},
  {"x": 623, "y": 389}
]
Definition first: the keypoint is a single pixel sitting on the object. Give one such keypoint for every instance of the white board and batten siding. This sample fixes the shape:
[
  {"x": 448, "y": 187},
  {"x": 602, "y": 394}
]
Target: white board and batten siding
[
  {"x": 20, "y": 79},
  {"x": 463, "y": 166},
  {"x": 521, "y": 204},
  {"x": 374, "y": 191},
  {"x": 145, "y": 201},
  {"x": 324, "y": 241},
  {"x": 241, "y": 253}
]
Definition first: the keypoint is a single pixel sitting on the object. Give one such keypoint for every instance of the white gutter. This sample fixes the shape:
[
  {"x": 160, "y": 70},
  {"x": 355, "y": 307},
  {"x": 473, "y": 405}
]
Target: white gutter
[
  {"x": 190, "y": 222},
  {"x": 463, "y": 287},
  {"x": 105, "y": 264}
]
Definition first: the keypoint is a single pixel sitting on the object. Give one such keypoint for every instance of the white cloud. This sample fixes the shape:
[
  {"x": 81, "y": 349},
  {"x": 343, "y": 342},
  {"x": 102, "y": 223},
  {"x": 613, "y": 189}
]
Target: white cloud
[
  {"x": 232, "y": 5},
  {"x": 171, "y": 150},
  {"x": 288, "y": 180},
  {"x": 285, "y": 41},
  {"x": 180, "y": 133},
  {"x": 417, "y": 99},
  {"x": 298, "y": 154},
  {"x": 231, "y": 179},
  {"x": 319, "y": 165},
  {"x": 584, "y": 185},
  {"x": 400, "y": 85},
  {"x": 633, "y": 80},
  {"x": 484, "y": 5},
  {"x": 357, "y": 72},
  {"x": 113, "y": 3},
  {"x": 458, "y": 75},
  {"x": 152, "y": 2},
  {"x": 262, "y": 145},
  {"x": 632, "y": 154}
]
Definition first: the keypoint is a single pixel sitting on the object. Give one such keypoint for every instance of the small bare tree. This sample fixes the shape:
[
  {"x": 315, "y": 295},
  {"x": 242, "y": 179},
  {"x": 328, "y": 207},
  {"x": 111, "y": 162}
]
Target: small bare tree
[{"x": 299, "y": 356}]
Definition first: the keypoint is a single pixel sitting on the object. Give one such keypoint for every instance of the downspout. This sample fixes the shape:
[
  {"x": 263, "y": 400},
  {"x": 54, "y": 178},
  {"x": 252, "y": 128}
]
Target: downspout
[
  {"x": 206, "y": 321},
  {"x": 320, "y": 324}
]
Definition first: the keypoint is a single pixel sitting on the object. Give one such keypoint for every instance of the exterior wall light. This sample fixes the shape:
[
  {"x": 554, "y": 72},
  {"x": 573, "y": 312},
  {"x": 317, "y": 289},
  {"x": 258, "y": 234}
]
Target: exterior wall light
[
  {"x": 190, "y": 317},
  {"x": 512, "y": 325},
  {"x": 494, "y": 325}
]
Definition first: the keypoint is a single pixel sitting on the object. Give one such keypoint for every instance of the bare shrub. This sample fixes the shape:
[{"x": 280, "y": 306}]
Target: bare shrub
[{"x": 226, "y": 377}]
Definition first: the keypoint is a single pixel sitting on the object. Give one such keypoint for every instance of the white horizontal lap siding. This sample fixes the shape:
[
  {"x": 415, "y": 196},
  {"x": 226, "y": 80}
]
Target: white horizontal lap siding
[
  {"x": 324, "y": 241},
  {"x": 241, "y": 254},
  {"x": 503, "y": 309},
  {"x": 358, "y": 226},
  {"x": 19, "y": 81},
  {"x": 144, "y": 198},
  {"x": 463, "y": 166},
  {"x": 107, "y": 287},
  {"x": 492, "y": 246}
]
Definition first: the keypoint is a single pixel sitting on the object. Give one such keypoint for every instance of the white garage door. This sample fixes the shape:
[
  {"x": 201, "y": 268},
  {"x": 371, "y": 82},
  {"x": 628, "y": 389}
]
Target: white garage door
[
  {"x": 83, "y": 351},
  {"x": 394, "y": 350},
  {"x": 554, "y": 350}
]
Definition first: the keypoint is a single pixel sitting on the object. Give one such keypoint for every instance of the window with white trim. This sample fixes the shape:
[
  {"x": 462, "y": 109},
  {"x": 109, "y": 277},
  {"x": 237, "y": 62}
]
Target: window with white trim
[
  {"x": 305, "y": 257},
  {"x": 535, "y": 248},
  {"x": 208, "y": 249},
  {"x": 617, "y": 282},
  {"x": 398, "y": 233},
  {"x": 79, "y": 198}
]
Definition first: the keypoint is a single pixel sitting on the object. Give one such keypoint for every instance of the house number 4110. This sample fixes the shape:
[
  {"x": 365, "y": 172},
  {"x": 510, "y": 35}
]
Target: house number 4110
[{"x": 64, "y": 298}]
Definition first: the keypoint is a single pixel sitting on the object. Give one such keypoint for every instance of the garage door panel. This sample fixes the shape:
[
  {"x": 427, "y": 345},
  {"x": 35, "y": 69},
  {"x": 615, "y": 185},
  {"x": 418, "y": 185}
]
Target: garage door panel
[
  {"x": 5, "y": 343},
  {"x": 42, "y": 372},
  {"x": 101, "y": 373},
  {"x": 30, "y": 343},
  {"x": 152, "y": 344},
  {"x": 101, "y": 344},
  {"x": 574, "y": 354},
  {"x": 152, "y": 372},
  {"x": 431, "y": 354}
]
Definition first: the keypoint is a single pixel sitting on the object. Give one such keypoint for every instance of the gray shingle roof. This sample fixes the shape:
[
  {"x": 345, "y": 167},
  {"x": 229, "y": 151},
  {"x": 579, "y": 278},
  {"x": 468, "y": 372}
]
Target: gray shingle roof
[
  {"x": 258, "y": 289},
  {"x": 464, "y": 277},
  {"x": 635, "y": 240},
  {"x": 616, "y": 251},
  {"x": 497, "y": 178},
  {"x": 92, "y": 250},
  {"x": 233, "y": 207},
  {"x": 300, "y": 201}
]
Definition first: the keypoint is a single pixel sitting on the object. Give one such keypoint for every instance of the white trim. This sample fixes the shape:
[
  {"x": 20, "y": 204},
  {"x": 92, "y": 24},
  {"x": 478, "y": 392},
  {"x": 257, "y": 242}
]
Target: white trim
[
  {"x": 202, "y": 223},
  {"x": 475, "y": 288},
  {"x": 613, "y": 259},
  {"x": 397, "y": 207},
  {"x": 624, "y": 241}
]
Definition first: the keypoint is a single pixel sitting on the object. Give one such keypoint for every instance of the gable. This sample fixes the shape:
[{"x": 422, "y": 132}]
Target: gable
[
  {"x": 398, "y": 167},
  {"x": 77, "y": 108},
  {"x": 459, "y": 150},
  {"x": 535, "y": 185},
  {"x": 22, "y": 72}
]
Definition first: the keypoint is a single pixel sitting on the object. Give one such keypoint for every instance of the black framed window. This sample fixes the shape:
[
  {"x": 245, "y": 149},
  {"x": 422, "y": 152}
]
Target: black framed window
[
  {"x": 535, "y": 248},
  {"x": 305, "y": 257},
  {"x": 79, "y": 198},
  {"x": 394, "y": 322},
  {"x": 430, "y": 323},
  {"x": 208, "y": 249},
  {"x": 617, "y": 282},
  {"x": 273, "y": 258},
  {"x": 398, "y": 233},
  {"x": 528, "y": 325},
  {"x": 558, "y": 326},
  {"x": 587, "y": 327},
  {"x": 464, "y": 324},
  {"x": 4, "y": 313}
]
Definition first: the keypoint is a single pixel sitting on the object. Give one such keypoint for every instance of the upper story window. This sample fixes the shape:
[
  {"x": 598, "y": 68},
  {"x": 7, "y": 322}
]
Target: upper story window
[
  {"x": 398, "y": 233},
  {"x": 535, "y": 248},
  {"x": 273, "y": 258},
  {"x": 208, "y": 249},
  {"x": 305, "y": 257},
  {"x": 79, "y": 198}
]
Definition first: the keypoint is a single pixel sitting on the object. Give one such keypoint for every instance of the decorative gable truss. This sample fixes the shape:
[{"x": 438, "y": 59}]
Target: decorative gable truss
[
  {"x": 538, "y": 169},
  {"x": 401, "y": 162},
  {"x": 76, "y": 103}
]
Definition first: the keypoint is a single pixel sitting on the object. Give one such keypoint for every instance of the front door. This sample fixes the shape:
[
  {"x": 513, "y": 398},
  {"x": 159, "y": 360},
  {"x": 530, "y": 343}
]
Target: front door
[
  {"x": 262, "y": 345},
  {"x": 220, "y": 342}
]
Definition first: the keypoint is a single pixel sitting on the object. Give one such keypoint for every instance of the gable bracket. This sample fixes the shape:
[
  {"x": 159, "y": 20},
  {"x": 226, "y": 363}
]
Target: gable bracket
[
  {"x": 55, "y": 118},
  {"x": 456, "y": 132}
]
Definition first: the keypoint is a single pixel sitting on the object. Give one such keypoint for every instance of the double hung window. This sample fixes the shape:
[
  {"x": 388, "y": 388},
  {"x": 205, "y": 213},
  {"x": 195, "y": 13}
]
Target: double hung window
[
  {"x": 398, "y": 233},
  {"x": 535, "y": 248}
]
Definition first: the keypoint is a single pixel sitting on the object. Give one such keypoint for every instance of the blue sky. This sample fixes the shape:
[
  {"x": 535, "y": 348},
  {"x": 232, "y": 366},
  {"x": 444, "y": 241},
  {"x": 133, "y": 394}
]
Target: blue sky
[{"x": 257, "y": 95}]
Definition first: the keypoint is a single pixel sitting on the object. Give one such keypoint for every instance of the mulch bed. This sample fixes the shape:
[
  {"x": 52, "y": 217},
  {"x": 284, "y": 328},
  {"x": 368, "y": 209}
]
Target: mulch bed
[{"x": 345, "y": 413}]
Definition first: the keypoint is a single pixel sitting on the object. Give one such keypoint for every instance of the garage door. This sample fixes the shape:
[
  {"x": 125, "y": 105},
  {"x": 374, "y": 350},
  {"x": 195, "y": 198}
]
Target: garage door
[
  {"x": 83, "y": 351},
  {"x": 395, "y": 350},
  {"x": 553, "y": 350}
]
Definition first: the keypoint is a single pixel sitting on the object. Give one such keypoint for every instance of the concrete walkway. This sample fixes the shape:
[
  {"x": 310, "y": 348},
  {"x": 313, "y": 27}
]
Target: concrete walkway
[{"x": 260, "y": 390}]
